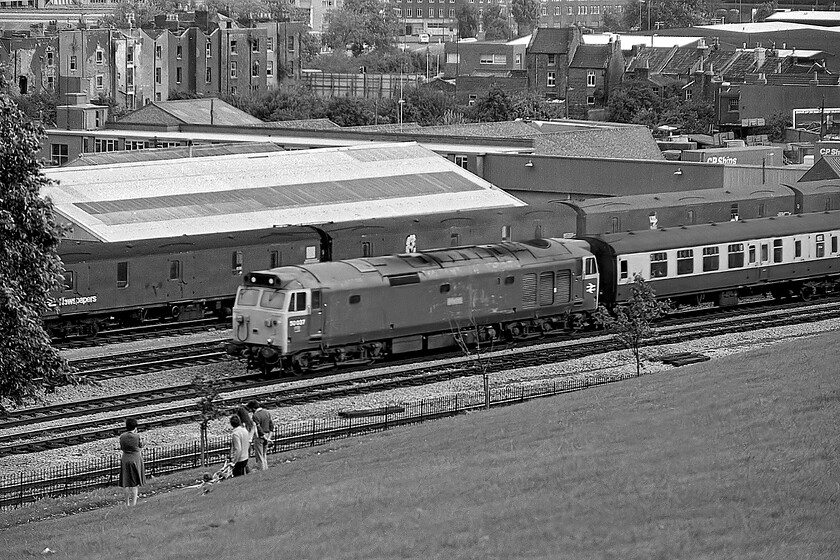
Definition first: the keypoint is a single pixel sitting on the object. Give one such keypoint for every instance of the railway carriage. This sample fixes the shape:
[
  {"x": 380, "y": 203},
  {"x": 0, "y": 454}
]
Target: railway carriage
[
  {"x": 319, "y": 315},
  {"x": 721, "y": 262}
]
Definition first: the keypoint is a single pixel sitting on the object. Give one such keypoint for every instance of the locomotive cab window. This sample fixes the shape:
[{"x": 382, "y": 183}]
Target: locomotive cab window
[
  {"x": 248, "y": 297},
  {"x": 820, "y": 246},
  {"x": 711, "y": 259},
  {"x": 658, "y": 266},
  {"x": 271, "y": 299},
  {"x": 122, "y": 275},
  {"x": 591, "y": 267},
  {"x": 685, "y": 261},
  {"x": 778, "y": 253},
  {"x": 69, "y": 280},
  {"x": 297, "y": 301},
  {"x": 174, "y": 270},
  {"x": 736, "y": 255}
]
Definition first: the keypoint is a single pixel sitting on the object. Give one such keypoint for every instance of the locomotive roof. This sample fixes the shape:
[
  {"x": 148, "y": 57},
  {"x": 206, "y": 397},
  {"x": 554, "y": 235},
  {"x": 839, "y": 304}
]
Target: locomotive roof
[
  {"x": 718, "y": 233},
  {"x": 220, "y": 194},
  {"x": 680, "y": 198},
  {"x": 363, "y": 271}
]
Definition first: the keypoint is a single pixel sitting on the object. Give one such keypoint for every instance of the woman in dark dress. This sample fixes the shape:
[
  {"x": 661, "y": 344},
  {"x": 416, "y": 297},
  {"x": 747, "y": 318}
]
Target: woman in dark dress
[{"x": 132, "y": 472}]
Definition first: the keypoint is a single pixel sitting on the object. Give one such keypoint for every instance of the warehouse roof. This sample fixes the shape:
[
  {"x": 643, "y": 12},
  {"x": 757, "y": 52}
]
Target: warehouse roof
[
  {"x": 134, "y": 201},
  {"x": 154, "y": 154},
  {"x": 190, "y": 111}
]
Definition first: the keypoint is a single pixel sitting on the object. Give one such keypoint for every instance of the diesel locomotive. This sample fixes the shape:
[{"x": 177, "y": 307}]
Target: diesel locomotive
[{"x": 316, "y": 316}]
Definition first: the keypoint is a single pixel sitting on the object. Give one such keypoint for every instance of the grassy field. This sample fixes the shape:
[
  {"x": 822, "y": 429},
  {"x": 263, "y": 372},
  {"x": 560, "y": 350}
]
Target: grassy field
[{"x": 736, "y": 458}]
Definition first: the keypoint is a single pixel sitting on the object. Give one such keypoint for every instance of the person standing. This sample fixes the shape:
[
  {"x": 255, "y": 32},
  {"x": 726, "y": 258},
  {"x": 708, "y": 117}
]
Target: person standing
[
  {"x": 132, "y": 470},
  {"x": 248, "y": 423},
  {"x": 265, "y": 431},
  {"x": 239, "y": 443}
]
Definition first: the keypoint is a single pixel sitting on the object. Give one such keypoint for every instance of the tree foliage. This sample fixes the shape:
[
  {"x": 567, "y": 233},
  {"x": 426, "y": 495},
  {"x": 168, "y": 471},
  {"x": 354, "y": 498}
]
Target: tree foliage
[
  {"x": 526, "y": 14},
  {"x": 670, "y": 13},
  {"x": 360, "y": 26},
  {"x": 496, "y": 106},
  {"x": 39, "y": 106},
  {"x": 467, "y": 17},
  {"x": 636, "y": 102},
  {"x": 495, "y": 24},
  {"x": 32, "y": 270},
  {"x": 631, "y": 321},
  {"x": 763, "y": 11}
]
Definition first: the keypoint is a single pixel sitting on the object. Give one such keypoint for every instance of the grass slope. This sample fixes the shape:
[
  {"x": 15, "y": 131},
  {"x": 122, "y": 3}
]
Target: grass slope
[{"x": 734, "y": 458}]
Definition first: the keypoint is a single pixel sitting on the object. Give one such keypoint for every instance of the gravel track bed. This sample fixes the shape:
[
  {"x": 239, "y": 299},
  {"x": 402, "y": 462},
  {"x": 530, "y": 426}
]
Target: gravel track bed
[{"x": 613, "y": 362}]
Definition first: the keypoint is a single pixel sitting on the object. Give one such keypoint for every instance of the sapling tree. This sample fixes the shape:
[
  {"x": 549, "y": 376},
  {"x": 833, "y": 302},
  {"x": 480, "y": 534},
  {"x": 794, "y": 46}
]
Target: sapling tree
[
  {"x": 631, "y": 321},
  {"x": 469, "y": 340},
  {"x": 209, "y": 406}
]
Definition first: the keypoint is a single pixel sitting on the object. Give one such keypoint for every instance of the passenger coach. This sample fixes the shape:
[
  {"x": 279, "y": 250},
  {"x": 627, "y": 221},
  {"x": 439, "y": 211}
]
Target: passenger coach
[{"x": 720, "y": 262}]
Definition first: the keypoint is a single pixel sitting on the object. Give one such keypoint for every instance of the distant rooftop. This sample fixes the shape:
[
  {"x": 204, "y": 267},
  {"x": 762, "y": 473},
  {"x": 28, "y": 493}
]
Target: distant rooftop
[{"x": 190, "y": 111}]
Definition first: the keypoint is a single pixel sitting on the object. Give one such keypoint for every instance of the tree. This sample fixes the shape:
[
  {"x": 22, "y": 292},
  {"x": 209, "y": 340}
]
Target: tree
[
  {"x": 634, "y": 102},
  {"x": 530, "y": 106},
  {"x": 467, "y": 17},
  {"x": 310, "y": 47},
  {"x": 209, "y": 407},
  {"x": 361, "y": 25},
  {"x": 763, "y": 11},
  {"x": 526, "y": 14},
  {"x": 496, "y": 106},
  {"x": 631, "y": 320},
  {"x": 777, "y": 124},
  {"x": 32, "y": 269},
  {"x": 39, "y": 106},
  {"x": 495, "y": 24}
]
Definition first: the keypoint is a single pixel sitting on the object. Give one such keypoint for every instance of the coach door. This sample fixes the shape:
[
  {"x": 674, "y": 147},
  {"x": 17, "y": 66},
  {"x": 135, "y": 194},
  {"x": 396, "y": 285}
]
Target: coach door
[
  {"x": 298, "y": 318},
  {"x": 316, "y": 329},
  {"x": 764, "y": 256}
]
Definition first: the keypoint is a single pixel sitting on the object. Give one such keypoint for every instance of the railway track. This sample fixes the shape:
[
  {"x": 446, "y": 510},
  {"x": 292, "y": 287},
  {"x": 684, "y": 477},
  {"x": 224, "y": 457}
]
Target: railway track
[
  {"x": 152, "y": 360},
  {"x": 276, "y": 393},
  {"x": 142, "y": 332}
]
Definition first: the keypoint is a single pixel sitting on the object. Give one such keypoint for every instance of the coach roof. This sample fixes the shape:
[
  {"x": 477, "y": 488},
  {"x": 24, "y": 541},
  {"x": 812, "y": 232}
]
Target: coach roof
[
  {"x": 211, "y": 195},
  {"x": 719, "y": 233}
]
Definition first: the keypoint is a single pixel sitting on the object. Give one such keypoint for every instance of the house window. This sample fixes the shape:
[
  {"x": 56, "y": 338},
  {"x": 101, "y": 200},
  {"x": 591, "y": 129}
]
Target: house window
[
  {"x": 157, "y": 75},
  {"x": 590, "y": 100},
  {"x": 552, "y": 59},
  {"x": 129, "y": 54},
  {"x": 59, "y": 154},
  {"x": 158, "y": 51},
  {"x": 233, "y": 46},
  {"x": 208, "y": 49},
  {"x": 100, "y": 56},
  {"x": 733, "y": 104},
  {"x": 73, "y": 63},
  {"x": 688, "y": 94},
  {"x": 255, "y": 69},
  {"x": 556, "y": 10},
  {"x": 570, "y": 11},
  {"x": 269, "y": 44},
  {"x": 590, "y": 79},
  {"x": 50, "y": 58},
  {"x": 461, "y": 161},
  {"x": 208, "y": 76},
  {"x": 473, "y": 98},
  {"x": 100, "y": 81},
  {"x": 543, "y": 11},
  {"x": 233, "y": 72},
  {"x": 179, "y": 74},
  {"x": 158, "y": 96},
  {"x": 105, "y": 145},
  {"x": 290, "y": 44},
  {"x": 50, "y": 83},
  {"x": 97, "y": 118},
  {"x": 255, "y": 45},
  {"x": 269, "y": 68},
  {"x": 234, "y": 90},
  {"x": 122, "y": 274},
  {"x": 179, "y": 52},
  {"x": 551, "y": 79},
  {"x": 685, "y": 261}
]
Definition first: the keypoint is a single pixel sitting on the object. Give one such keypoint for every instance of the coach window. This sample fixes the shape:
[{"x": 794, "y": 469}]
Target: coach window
[
  {"x": 311, "y": 253},
  {"x": 506, "y": 233},
  {"x": 454, "y": 239},
  {"x": 761, "y": 210},
  {"x": 69, "y": 278},
  {"x": 297, "y": 302},
  {"x": 778, "y": 254},
  {"x": 690, "y": 218},
  {"x": 236, "y": 262},
  {"x": 685, "y": 261},
  {"x": 366, "y": 249},
  {"x": 623, "y": 274},
  {"x": 765, "y": 252},
  {"x": 820, "y": 246},
  {"x": 736, "y": 255},
  {"x": 122, "y": 275},
  {"x": 276, "y": 259},
  {"x": 752, "y": 254},
  {"x": 174, "y": 270},
  {"x": 658, "y": 266},
  {"x": 797, "y": 248},
  {"x": 711, "y": 259},
  {"x": 538, "y": 232},
  {"x": 834, "y": 244},
  {"x": 615, "y": 224}
]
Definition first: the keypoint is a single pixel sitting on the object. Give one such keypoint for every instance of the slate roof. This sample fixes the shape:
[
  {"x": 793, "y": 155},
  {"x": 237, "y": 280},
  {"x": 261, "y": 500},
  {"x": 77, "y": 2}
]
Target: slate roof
[
  {"x": 304, "y": 124},
  {"x": 190, "y": 111},
  {"x": 550, "y": 40},
  {"x": 825, "y": 168},
  {"x": 211, "y": 195},
  {"x": 591, "y": 56},
  {"x": 630, "y": 142}
]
